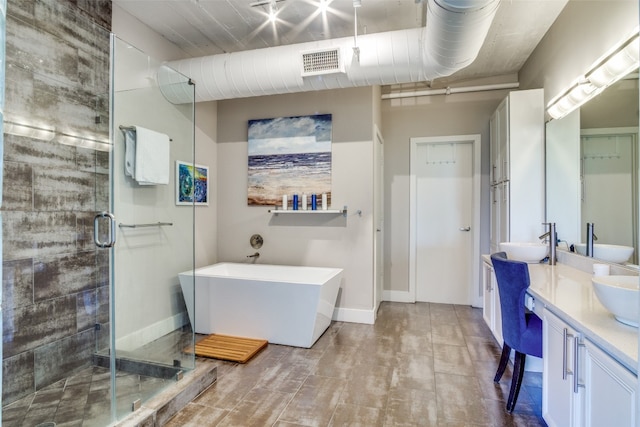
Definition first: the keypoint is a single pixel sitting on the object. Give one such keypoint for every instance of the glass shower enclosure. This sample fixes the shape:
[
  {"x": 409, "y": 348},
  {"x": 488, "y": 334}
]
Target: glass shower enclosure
[
  {"x": 150, "y": 231},
  {"x": 94, "y": 319}
]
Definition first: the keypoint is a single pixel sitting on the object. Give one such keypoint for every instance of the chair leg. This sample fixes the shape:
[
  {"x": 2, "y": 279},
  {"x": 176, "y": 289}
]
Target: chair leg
[
  {"x": 504, "y": 361},
  {"x": 516, "y": 381}
]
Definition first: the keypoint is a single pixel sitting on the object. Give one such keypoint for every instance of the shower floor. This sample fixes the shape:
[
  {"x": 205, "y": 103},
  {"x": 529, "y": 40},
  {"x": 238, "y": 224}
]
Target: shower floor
[{"x": 84, "y": 398}]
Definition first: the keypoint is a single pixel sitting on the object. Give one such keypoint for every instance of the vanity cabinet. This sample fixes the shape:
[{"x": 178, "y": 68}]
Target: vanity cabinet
[
  {"x": 609, "y": 390},
  {"x": 581, "y": 384},
  {"x": 560, "y": 405},
  {"x": 517, "y": 168},
  {"x": 491, "y": 303}
]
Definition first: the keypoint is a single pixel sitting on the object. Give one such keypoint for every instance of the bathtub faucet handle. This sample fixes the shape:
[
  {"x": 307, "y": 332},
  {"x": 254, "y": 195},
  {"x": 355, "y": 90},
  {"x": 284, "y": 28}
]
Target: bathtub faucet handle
[{"x": 255, "y": 256}]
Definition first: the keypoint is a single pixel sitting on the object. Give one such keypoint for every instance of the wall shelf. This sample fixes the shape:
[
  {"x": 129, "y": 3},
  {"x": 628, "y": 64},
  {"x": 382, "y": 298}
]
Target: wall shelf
[{"x": 277, "y": 211}]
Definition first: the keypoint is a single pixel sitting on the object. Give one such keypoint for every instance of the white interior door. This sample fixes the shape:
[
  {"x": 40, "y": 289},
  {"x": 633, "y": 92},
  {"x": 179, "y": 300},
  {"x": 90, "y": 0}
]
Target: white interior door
[
  {"x": 608, "y": 187},
  {"x": 378, "y": 192},
  {"x": 444, "y": 201}
]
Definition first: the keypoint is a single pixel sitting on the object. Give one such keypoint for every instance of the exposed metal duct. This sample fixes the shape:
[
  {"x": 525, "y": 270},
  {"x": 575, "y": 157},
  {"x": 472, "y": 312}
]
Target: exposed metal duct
[
  {"x": 455, "y": 32},
  {"x": 450, "y": 41}
]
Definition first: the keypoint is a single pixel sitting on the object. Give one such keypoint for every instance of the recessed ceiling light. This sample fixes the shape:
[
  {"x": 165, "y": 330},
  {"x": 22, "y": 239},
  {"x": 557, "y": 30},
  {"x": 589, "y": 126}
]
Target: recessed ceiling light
[{"x": 273, "y": 15}]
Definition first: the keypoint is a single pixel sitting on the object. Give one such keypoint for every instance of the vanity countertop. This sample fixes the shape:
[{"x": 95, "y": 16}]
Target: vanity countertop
[{"x": 568, "y": 293}]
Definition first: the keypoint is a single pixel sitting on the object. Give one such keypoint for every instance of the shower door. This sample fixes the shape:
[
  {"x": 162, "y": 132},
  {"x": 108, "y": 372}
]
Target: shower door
[{"x": 151, "y": 337}]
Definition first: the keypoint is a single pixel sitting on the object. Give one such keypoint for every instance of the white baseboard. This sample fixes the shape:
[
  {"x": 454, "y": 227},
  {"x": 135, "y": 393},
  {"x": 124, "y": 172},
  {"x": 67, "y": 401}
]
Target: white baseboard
[
  {"x": 354, "y": 315},
  {"x": 398, "y": 296},
  {"x": 152, "y": 332}
]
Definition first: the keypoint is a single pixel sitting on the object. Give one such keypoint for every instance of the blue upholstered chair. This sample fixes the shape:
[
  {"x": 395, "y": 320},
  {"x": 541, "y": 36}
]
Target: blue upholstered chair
[{"x": 521, "y": 329}]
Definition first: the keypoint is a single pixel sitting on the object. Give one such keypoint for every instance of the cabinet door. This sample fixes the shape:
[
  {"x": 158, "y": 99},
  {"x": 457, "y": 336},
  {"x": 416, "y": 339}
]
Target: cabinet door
[
  {"x": 499, "y": 214},
  {"x": 503, "y": 140},
  {"x": 497, "y": 311},
  {"x": 491, "y": 309},
  {"x": 487, "y": 302},
  {"x": 610, "y": 390},
  {"x": 495, "y": 217},
  {"x": 560, "y": 405},
  {"x": 494, "y": 149},
  {"x": 504, "y": 234}
]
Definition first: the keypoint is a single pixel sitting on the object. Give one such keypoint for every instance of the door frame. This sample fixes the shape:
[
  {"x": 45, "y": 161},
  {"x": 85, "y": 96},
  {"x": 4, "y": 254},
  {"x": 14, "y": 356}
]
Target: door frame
[
  {"x": 475, "y": 287},
  {"x": 378, "y": 218}
]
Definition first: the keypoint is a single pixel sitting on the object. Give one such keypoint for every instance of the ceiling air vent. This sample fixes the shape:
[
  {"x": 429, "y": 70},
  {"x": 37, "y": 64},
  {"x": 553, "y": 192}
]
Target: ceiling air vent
[{"x": 325, "y": 61}]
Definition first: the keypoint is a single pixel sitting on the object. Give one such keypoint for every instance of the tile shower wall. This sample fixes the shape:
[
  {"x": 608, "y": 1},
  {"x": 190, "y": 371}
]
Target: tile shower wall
[{"x": 55, "y": 282}]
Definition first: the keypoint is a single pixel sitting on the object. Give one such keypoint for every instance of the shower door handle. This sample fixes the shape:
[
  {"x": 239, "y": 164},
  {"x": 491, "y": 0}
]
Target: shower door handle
[{"x": 112, "y": 230}]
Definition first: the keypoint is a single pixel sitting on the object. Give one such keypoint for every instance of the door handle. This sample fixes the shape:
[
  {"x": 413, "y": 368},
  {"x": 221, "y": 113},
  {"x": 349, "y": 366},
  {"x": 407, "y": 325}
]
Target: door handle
[
  {"x": 465, "y": 228},
  {"x": 576, "y": 359},
  {"x": 112, "y": 230}
]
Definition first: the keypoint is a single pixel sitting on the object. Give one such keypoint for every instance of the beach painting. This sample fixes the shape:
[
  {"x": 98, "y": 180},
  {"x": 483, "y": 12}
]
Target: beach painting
[{"x": 289, "y": 155}]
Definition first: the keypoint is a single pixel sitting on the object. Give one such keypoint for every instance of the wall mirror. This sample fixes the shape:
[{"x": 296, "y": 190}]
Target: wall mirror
[{"x": 592, "y": 173}]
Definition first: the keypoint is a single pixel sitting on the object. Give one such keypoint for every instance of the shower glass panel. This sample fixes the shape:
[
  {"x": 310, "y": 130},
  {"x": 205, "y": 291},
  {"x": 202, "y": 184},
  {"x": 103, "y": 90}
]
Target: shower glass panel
[
  {"x": 154, "y": 234},
  {"x": 56, "y": 177}
]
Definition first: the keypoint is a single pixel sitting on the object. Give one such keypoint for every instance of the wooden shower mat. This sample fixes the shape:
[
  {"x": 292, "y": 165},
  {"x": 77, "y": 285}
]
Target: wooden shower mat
[{"x": 227, "y": 347}]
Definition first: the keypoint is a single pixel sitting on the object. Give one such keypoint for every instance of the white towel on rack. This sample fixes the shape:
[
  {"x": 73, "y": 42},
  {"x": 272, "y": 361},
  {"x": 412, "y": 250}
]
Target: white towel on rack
[
  {"x": 129, "y": 152},
  {"x": 152, "y": 157}
]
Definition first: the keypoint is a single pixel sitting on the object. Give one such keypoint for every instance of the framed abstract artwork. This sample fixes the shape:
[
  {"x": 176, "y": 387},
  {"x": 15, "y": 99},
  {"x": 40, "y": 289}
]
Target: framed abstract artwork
[{"x": 192, "y": 184}]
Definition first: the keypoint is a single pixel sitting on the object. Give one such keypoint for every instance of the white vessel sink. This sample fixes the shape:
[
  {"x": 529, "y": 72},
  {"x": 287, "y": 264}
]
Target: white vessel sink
[
  {"x": 619, "y": 295},
  {"x": 611, "y": 253},
  {"x": 525, "y": 251}
]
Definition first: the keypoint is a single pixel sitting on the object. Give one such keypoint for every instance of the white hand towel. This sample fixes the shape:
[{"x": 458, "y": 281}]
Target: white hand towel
[
  {"x": 129, "y": 152},
  {"x": 152, "y": 157}
]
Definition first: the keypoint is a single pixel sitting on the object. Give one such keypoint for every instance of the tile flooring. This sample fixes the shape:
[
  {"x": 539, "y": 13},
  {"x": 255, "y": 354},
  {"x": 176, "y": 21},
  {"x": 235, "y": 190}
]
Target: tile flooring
[
  {"x": 84, "y": 398},
  {"x": 420, "y": 365}
]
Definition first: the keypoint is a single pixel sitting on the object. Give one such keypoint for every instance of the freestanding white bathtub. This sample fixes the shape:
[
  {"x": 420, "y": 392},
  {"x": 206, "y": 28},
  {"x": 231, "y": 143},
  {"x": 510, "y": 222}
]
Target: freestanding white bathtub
[{"x": 286, "y": 305}]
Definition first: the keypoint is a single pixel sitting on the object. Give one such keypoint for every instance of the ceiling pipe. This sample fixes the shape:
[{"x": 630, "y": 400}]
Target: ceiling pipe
[
  {"x": 449, "y": 90},
  {"x": 455, "y": 32},
  {"x": 450, "y": 41}
]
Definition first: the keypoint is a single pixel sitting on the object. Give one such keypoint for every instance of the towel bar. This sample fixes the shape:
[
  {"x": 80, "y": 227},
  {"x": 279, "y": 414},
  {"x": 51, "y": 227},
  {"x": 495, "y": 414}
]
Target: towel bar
[
  {"x": 154, "y": 224},
  {"x": 123, "y": 128}
]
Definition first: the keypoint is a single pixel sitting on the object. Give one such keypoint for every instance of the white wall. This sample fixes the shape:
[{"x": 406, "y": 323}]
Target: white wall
[
  {"x": 316, "y": 240},
  {"x": 129, "y": 29},
  {"x": 403, "y": 119},
  {"x": 207, "y": 154},
  {"x": 581, "y": 34},
  {"x": 147, "y": 260},
  {"x": 148, "y": 297}
]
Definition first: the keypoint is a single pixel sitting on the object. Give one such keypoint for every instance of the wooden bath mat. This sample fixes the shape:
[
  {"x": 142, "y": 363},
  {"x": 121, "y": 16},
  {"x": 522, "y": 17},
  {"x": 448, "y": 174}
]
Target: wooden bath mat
[{"x": 227, "y": 347}]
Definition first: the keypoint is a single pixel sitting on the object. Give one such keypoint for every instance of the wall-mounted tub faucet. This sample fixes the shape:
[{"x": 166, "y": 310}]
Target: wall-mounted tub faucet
[
  {"x": 254, "y": 256},
  {"x": 552, "y": 238},
  {"x": 256, "y": 241}
]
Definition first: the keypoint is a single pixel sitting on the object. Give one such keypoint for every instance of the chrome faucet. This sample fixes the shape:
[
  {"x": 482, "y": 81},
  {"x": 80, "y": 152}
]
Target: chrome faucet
[
  {"x": 551, "y": 236},
  {"x": 591, "y": 237}
]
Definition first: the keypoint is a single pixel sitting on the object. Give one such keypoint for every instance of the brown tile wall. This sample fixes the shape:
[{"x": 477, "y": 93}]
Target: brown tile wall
[{"x": 55, "y": 282}]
